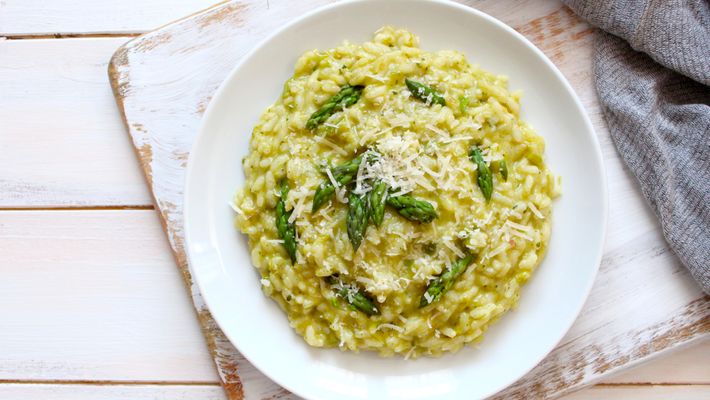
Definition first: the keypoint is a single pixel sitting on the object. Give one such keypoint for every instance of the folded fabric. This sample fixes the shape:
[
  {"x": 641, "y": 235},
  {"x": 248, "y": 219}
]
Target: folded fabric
[{"x": 652, "y": 68}]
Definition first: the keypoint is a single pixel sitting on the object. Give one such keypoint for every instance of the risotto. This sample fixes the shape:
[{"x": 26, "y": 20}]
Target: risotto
[{"x": 394, "y": 201}]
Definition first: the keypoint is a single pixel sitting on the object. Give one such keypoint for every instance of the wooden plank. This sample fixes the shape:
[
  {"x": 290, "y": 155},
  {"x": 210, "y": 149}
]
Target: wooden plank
[
  {"x": 94, "y": 295},
  {"x": 32, "y": 17},
  {"x": 687, "y": 366},
  {"x": 214, "y": 392},
  {"x": 675, "y": 392},
  {"x": 110, "y": 392},
  {"x": 62, "y": 138},
  {"x": 67, "y": 17}
]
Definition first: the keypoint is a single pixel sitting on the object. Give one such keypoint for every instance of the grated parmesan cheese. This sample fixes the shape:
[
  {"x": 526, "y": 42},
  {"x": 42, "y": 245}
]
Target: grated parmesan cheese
[
  {"x": 428, "y": 297},
  {"x": 330, "y": 144},
  {"x": 297, "y": 209},
  {"x": 236, "y": 208},
  {"x": 523, "y": 228},
  {"x": 497, "y": 251},
  {"x": 409, "y": 353},
  {"x": 390, "y": 326},
  {"x": 457, "y": 139},
  {"x": 534, "y": 210},
  {"x": 522, "y": 235},
  {"x": 451, "y": 246}
]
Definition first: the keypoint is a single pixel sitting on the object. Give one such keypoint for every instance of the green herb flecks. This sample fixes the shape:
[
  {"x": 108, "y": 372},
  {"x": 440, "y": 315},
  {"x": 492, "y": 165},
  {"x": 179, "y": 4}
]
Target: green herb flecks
[
  {"x": 443, "y": 282},
  {"x": 353, "y": 295},
  {"x": 484, "y": 178},
  {"x": 378, "y": 195},
  {"x": 413, "y": 209},
  {"x": 429, "y": 248},
  {"x": 504, "y": 170},
  {"x": 424, "y": 93},
  {"x": 463, "y": 103},
  {"x": 285, "y": 229},
  {"x": 357, "y": 220},
  {"x": 347, "y": 96}
]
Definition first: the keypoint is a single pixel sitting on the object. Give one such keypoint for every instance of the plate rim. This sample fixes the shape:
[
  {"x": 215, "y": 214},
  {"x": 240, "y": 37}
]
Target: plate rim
[{"x": 596, "y": 148}]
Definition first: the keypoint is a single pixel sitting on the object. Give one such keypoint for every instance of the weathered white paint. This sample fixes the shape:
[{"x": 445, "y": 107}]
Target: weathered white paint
[
  {"x": 69, "y": 17},
  {"x": 688, "y": 366},
  {"x": 62, "y": 142},
  {"x": 643, "y": 303},
  {"x": 214, "y": 392},
  {"x": 680, "y": 392},
  {"x": 41, "y": 17},
  {"x": 94, "y": 295},
  {"x": 110, "y": 392}
]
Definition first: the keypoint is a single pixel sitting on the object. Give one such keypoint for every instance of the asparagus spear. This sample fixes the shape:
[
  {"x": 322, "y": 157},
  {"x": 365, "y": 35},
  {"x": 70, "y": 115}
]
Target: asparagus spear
[
  {"x": 354, "y": 296},
  {"x": 377, "y": 202},
  {"x": 443, "y": 282},
  {"x": 343, "y": 174},
  {"x": 485, "y": 179},
  {"x": 413, "y": 209},
  {"x": 358, "y": 215},
  {"x": 425, "y": 93},
  {"x": 286, "y": 230},
  {"x": 347, "y": 96}
]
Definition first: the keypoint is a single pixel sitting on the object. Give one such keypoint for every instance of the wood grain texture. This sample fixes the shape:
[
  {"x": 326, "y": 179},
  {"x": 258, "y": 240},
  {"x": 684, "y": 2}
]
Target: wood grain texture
[
  {"x": 679, "y": 392},
  {"x": 112, "y": 392},
  {"x": 643, "y": 304},
  {"x": 203, "y": 392},
  {"x": 59, "y": 123},
  {"x": 690, "y": 365},
  {"x": 69, "y": 17},
  {"x": 94, "y": 295}
]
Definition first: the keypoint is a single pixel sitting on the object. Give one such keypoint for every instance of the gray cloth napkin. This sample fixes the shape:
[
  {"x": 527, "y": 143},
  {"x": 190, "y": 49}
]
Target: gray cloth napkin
[{"x": 652, "y": 71}]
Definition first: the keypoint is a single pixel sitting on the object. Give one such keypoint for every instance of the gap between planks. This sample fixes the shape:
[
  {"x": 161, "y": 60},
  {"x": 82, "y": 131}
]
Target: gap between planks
[
  {"x": 640, "y": 384},
  {"x": 71, "y": 36},
  {"x": 82, "y": 208},
  {"x": 106, "y": 383},
  {"x": 207, "y": 383}
]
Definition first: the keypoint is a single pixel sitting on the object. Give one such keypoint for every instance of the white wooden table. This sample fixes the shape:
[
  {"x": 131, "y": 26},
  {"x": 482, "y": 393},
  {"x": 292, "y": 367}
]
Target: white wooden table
[{"x": 91, "y": 304}]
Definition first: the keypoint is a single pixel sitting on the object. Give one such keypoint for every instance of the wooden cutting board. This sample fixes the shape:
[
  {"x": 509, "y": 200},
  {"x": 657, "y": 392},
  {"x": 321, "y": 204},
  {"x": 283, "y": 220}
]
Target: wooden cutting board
[{"x": 643, "y": 303}]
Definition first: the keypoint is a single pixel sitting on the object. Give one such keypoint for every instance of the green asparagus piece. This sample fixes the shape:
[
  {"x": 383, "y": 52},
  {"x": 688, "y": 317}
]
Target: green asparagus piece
[
  {"x": 443, "y": 282},
  {"x": 324, "y": 192},
  {"x": 425, "y": 93},
  {"x": 343, "y": 174},
  {"x": 358, "y": 215},
  {"x": 354, "y": 296},
  {"x": 485, "y": 179},
  {"x": 504, "y": 170},
  {"x": 377, "y": 199},
  {"x": 347, "y": 96},
  {"x": 286, "y": 230},
  {"x": 413, "y": 209}
]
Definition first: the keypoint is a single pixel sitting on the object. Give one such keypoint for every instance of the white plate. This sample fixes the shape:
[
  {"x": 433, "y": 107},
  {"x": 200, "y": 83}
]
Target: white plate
[{"x": 219, "y": 255}]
